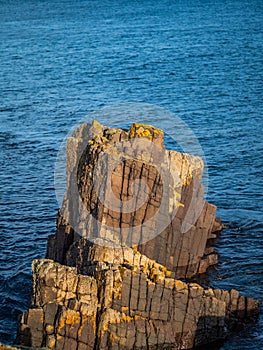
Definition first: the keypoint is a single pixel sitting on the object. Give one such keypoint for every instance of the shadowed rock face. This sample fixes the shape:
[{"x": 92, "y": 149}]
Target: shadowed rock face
[{"x": 111, "y": 279}]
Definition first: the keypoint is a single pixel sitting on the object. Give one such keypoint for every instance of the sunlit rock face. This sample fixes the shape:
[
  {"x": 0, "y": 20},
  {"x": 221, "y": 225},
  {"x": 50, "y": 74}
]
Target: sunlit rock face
[
  {"x": 125, "y": 188},
  {"x": 132, "y": 225}
]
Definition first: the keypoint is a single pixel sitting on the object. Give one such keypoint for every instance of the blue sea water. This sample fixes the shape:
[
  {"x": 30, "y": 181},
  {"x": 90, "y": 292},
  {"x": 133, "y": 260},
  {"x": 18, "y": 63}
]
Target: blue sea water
[{"x": 60, "y": 60}]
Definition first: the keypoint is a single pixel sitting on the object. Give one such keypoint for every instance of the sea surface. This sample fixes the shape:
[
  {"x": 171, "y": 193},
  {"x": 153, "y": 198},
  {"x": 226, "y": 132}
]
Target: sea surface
[{"x": 62, "y": 60}]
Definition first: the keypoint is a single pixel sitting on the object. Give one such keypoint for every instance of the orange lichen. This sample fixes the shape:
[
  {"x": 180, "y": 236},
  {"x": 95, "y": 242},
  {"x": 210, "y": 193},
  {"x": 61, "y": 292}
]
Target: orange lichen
[
  {"x": 89, "y": 319},
  {"x": 180, "y": 285},
  {"x": 49, "y": 329},
  {"x": 134, "y": 248},
  {"x": 126, "y": 318},
  {"x": 142, "y": 130},
  {"x": 69, "y": 317},
  {"x": 138, "y": 317},
  {"x": 113, "y": 337},
  {"x": 168, "y": 273}
]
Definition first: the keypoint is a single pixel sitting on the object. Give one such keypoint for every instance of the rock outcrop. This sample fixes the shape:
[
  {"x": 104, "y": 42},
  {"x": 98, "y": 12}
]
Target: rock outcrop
[
  {"x": 174, "y": 225},
  {"x": 125, "y": 238}
]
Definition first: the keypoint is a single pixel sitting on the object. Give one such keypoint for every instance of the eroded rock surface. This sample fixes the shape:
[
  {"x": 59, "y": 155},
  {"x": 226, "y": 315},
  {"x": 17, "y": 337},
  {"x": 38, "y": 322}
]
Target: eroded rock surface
[
  {"x": 174, "y": 226},
  {"x": 103, "y": 285},
  {"x": 125, "y": 301}
]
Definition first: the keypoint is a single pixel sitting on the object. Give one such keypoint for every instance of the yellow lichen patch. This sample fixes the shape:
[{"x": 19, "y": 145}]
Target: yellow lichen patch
[
  {"x": 96, "y": 138},
  {"x": 134, "y": 270},
  {"x": 124, "y": 308},
  {"x": 138, "y": 317},
  {"x": 104, "y": 139},
  {"x": 68, "y": 317},
  {"x": 178, "y": 205},
  {"x": 117, "y": 284},
  {"x": 144, "y": 269},
  {"x": 72, "y": 318},
  {"x": 134, "y": 248},
  {"x": 136, "y": 259},
  {"x": 157, "y": 275},
  {"x": 210, "y": 291},
  {"x": 178, "y": 196},
  {"x": 110, "y": 316},
  {"x": 49, "y": 329},
  {"x": 90, "y": 320},
  {"x": 142, "y": 130},
  {"x": 50, "y": 342},
  {"x": 113, "y": 337},
  {"x": 96, "y": 125},
  {"x": 158, "y": 131},
  {"x": 168, "y": 273},
  {"x": 159, "y": 278},
  {"x": 169, "y": 283},
  {"x": 59, "y": 337},
  {"x": 171, "y": 205},
  {"x": 195, "y": 285},
  {"x": 105, "y": 328},
  {"x": 126, "y": 318},
  {"x": 80, "y": 329},
  {"x": 61, "y": 324},
  {"x": 187, "y": 181},
  {"x": 180, "y": 285}
]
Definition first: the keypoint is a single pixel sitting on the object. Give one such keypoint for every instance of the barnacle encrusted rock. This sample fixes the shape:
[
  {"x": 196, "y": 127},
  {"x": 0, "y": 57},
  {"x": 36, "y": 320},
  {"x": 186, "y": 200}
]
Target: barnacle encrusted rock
[{"x": 111, "y": 279}]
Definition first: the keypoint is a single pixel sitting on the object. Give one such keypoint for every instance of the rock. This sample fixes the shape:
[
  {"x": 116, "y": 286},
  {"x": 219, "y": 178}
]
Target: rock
[
  {"x": 174, "y": 224},
  {"x": 111, "y": 279},
  {"x": 8, "y": 347},
  {"x": 130, "y": 302}
]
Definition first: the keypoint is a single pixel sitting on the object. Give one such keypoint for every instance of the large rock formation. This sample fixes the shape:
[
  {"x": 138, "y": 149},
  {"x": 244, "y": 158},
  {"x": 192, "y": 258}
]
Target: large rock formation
[
  {"x": 132, "y": 224},
  {"x": 172, "y": 226}
]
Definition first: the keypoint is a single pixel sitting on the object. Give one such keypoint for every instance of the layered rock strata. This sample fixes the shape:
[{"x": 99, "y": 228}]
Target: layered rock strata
[
  {"x": 111, "y": 279},
  {"x": 174, "y": 226},
  {"x": 125, "y": 301}
]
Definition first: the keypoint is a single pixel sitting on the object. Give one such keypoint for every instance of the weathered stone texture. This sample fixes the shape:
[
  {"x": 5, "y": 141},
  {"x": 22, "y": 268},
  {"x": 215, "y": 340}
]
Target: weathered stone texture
[
  {"x": 181, "y": 246},
  {"x": 130, "y": 302},
  {"x": 109, "y": 289}
]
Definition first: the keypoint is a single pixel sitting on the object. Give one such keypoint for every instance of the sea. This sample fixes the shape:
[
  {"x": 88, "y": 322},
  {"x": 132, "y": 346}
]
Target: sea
[{"x": 64, "y": 62}]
